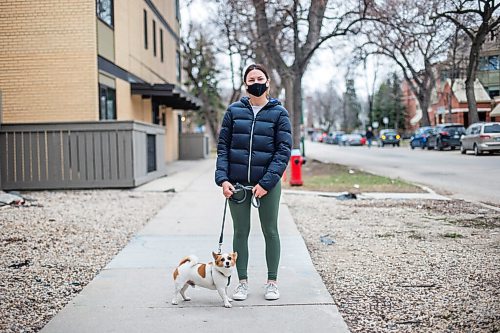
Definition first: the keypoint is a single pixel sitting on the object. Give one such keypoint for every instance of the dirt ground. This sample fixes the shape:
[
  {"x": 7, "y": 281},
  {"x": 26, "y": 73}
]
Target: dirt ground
[
  {"x": 405, "y": 266},
  {"x": 50, "y": 249}
]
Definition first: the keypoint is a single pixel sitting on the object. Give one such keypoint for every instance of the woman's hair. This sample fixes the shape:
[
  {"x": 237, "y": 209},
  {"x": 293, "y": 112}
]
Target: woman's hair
[{"x": 252, "y": 67}]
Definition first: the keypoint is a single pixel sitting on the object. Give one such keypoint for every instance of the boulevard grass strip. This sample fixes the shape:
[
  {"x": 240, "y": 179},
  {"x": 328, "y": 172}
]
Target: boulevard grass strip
[{"x": 330, "y": 177}]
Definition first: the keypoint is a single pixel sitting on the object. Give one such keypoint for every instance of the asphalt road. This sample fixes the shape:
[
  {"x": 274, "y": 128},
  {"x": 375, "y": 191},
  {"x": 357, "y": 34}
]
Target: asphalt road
[{"x": 468, "y": 177}]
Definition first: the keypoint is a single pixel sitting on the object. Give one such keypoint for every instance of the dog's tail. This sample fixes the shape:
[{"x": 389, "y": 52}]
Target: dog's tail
[{"x": 190, "y": 260}]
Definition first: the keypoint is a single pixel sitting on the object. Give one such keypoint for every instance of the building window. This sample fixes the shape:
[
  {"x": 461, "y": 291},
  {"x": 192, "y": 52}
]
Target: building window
[
  {"x": 161, "y": 44},
  {"x": 493, "y": 64},
  {"x": 482, "y": 116},
  {"x": 493, "y": 92},
  {"x": 155, "y": 116},
  {"x": 490, "y": 63},
  {"x": 151, "y": 152},
  {"x": 178, "y": 65},
  {"x": 145, "y": 29},
  {"x": 154, "y": 38},
  {"x": 107, "y": 103},
  {"x": 104, "y": 10}
]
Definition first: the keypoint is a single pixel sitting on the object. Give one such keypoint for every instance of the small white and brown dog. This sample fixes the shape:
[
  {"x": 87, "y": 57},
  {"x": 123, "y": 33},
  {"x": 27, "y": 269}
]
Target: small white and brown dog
[{"x": 215, "y": 275}]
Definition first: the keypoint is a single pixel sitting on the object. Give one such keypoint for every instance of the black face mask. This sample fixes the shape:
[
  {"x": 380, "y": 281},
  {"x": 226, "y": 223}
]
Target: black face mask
[{"x": 257, "y": 89}]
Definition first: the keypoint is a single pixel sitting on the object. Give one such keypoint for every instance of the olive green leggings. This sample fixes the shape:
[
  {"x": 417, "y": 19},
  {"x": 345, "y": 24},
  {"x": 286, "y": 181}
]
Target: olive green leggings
[{"x": 268, "y": 214}]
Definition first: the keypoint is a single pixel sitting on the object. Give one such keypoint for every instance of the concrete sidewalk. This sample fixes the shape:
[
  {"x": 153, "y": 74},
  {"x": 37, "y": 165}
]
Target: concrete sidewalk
[{"x": 133, "y": 292}]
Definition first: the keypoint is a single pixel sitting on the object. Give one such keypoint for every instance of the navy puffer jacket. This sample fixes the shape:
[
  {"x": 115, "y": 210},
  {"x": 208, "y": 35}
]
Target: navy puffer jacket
[{"x": 253, "y": 149}]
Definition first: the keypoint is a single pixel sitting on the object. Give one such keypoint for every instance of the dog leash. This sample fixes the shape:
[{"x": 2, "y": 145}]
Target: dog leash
[{"x": 237, "y": 188}]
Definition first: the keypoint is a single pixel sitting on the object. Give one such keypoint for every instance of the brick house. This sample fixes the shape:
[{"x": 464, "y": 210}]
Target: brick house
[
  {"x": 487, "y": 91},
  {"x": 457, "y": 112},
  {"x": 90, "y": 92}
]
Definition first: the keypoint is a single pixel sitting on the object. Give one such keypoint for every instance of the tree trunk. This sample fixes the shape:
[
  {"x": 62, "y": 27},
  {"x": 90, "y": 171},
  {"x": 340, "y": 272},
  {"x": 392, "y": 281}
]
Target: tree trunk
[
  {"x": 469, "y": 82},
  {"x": 288, "y": 85},
  {"x": 370, "y": 109},
  {"x": 424, "y": 105},
  {"x": 343, "y": 125},
  {"x": 471, "y": 101},
  {"x": 449, "y": 97},
  {"x": 293, "y": 97},
  {"x": 297, "y": 111}
]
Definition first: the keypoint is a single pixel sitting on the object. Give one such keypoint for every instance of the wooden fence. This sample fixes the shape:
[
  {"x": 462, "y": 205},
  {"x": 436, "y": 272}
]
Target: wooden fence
[{"x": 80, "y": 155}]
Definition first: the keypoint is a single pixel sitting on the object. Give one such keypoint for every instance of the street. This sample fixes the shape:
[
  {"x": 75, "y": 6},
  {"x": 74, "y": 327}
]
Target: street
[{"x": 468, "y": 177}]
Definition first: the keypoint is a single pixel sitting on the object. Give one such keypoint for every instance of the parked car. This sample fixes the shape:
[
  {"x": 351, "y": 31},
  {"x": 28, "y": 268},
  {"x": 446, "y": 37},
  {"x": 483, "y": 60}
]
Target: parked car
[
  {"x": 389, "y": 137},
  {"x": 419, "y": 138},
  {"x": 445, "y": 135},
  {"x": 481, "y": 137},
  {"x": 334, "y": 137},
  {"x": 352, "y": 140},
  {"x": 319, "y": 136}
]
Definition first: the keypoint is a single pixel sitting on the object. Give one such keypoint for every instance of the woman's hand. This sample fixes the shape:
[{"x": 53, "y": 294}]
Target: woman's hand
[
  {"x": 227, "y": 189},
  {"x": 258, "y": 191}
]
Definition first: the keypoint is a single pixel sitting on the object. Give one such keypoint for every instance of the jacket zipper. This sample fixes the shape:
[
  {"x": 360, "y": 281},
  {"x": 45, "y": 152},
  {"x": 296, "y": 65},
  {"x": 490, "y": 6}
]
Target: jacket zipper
[
  {"x": 251, "y": 139},
  {"x": 250, "y": 151}
]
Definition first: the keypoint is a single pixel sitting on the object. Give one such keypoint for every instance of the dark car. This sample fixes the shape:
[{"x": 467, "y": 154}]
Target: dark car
[
  {"x": 445, "y": 135},
  {"x": 388, "y": 137},
  {"x": 419, "y": 138}
]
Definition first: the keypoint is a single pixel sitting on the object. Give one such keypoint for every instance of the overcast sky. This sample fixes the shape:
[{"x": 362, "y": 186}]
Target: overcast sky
[{"x": 323, "y": 67}]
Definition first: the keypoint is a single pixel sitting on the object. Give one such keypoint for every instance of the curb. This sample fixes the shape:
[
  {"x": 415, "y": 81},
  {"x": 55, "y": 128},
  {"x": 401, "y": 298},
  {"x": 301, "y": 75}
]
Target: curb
[{"x": 374, "y": 195}]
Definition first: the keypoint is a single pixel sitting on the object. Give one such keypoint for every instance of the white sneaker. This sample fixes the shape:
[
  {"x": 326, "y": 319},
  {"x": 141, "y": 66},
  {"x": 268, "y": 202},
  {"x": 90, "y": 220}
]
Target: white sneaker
[
  {"x": 241, "y": 292},
  {"x": 272, "y": 292}
]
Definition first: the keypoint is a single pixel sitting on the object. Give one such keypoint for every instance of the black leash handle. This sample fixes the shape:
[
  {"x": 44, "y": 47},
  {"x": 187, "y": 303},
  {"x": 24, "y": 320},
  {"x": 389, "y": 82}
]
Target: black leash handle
[{"x": 238, "y": 188}]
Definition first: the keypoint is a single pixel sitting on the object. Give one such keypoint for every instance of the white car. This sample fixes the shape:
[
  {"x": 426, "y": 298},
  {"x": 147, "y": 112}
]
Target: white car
[{"x": 481, "y": 137}]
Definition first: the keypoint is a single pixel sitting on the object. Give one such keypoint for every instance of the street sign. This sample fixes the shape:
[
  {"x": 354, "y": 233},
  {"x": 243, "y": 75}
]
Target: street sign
[
  {"x": 375, "y": 124},
  {"x": 385, "y": 120}
]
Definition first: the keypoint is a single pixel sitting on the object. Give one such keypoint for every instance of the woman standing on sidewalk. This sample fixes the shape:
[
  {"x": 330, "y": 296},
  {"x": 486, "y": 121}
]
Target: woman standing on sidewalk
[{"x": 253, "y": 150}]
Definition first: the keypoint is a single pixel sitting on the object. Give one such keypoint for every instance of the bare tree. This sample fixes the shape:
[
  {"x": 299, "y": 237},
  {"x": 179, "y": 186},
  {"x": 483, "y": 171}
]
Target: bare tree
[
  {"x": 361, "y": 57},
  {"x": 370, "y": 90},
  {"x": 202, "y": 76},
  {"x": 326, "y": 106},
  {"x": 476, "y": 18},
  {"x": 454, "y": 64},
  {"x": 406, "y": 33},
  {"x": 285, "y": 35},
  {"x": 235, "y": 43}
]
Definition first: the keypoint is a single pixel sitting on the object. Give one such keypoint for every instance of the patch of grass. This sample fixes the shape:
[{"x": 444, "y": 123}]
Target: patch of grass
[
  {"x": 452, "y": 235},
  {"x": 329, "y": 177}
]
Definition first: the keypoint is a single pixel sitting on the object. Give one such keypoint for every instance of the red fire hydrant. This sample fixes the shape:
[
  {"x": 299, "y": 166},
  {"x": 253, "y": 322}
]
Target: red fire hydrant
[{"x": 296, "y": 162}]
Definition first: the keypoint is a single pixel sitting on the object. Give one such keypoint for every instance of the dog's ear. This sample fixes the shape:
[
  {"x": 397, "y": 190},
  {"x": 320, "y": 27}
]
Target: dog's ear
[
  {"x": 235, "y": 255},
  {"x": 214, "y": 255}
]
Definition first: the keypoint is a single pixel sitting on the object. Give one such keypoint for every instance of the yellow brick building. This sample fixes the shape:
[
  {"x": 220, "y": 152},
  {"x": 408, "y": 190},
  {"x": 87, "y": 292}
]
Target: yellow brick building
[{"x": 91, "y": 62}]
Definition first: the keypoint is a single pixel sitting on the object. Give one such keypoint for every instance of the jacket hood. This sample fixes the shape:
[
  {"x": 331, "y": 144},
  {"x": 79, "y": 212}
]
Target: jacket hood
[{"x": 272, "y": 101}]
